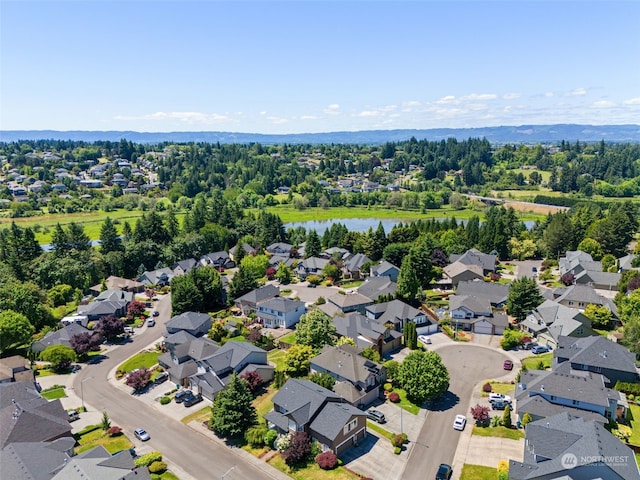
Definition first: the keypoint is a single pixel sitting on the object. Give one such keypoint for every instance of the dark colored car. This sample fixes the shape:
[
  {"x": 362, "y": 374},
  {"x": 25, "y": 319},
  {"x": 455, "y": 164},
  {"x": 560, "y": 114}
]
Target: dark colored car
[
  {"x": 156, "y": 313},
  {"x": 499, "y": 405},
  {"x": 507, "y": 365},
  {"x": 180, "y": 396},
  {"x": 539, "y": 349},
  {"x": 444, "y": 472},
  {"x": 191, "y": 400},
  {"x": 163, "y": 377},
  {"x": 376, "y": 415}
]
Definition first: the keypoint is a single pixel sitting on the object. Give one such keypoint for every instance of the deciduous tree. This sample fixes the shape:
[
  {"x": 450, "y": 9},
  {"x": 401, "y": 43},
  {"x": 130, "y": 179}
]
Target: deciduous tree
[
  {"x": 138, "y": 379},
  {"x": 60, "y": 356},
  {"x": 423, "y": 376},
  {"x": 15, "y": 329},
  {"x": 315, "y": 329},
  {"x": 297, "y": 360}
]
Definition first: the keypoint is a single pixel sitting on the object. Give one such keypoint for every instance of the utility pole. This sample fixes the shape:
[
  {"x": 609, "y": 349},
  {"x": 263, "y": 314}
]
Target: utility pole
[
  {"x": 82, "y": 390},
  {"x": 227, "y": 472}
]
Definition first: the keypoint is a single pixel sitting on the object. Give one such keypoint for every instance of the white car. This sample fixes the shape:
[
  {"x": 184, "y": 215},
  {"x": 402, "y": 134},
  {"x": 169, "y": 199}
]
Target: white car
[
  {"x": 425, "y": 339},
  {"x": 459, "y": 422},
  {"x": 499, "y": 397}
]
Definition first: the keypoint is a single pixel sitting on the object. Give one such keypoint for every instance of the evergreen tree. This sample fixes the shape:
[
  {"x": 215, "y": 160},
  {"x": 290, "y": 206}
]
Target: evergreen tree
[
  {"x": 109, "y": 240},
  {"x": 313, "y": 246},
  {"x": 410, "y": 335},
  {"x": 523, "y": 297},
  {"x": 408, "y": 284},
  {"x": 241, "y": 283},
  {"x": 233, "y": 412}
]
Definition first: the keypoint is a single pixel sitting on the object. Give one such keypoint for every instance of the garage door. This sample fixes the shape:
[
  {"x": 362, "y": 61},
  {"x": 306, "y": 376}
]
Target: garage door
[
  {"x": 483, "y": 328},
  {"x": 428, "y": 330}
]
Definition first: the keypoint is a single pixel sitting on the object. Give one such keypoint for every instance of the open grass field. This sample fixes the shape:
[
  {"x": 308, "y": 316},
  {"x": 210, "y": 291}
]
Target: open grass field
[
  {"x": 478, "y": 472},
  {"x": 140, "y": 360}
]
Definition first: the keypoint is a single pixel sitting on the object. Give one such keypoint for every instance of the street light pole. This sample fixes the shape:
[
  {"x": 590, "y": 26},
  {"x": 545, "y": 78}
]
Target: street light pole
[
  {"x": 227, "y": 473},
  {"x": 82, "y": 389}
]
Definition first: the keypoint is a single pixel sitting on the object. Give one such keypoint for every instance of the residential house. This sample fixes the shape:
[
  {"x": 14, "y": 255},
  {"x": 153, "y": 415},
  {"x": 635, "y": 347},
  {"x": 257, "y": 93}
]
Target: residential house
[
  {"x": 160, "y": 277},
  {"x": 96, "y": 310},
  {"x": 358, "y": 379},
  {"x": 184, "y": 266},
  {"x": 118, "y": 283},
  {"x": 197, "y": 324},
  {"x": 601, "y": 280},
  {"x": 565, "y": 387},
  {"x": 98, "y": 463},
  {"x": 248, "y": 302},
  {"x": 301, "y": 405},
  {"x": 550, "y": 321},
  {"x": 15, "y": 369},
  {"x": 336, "y": 253},
  {"x": 376, "y": 287},
  {"x": 248, "y": 250},
  {"x": 311, "y": 266},
  {"x": 568, "y": 447},
  {"x": 476, "y": 315},
  {"x": 475, "y": 257},
  {"x": 457, "y": 272},
  {"x": 398, "y": 313},
  {"x": 219, "y": 260},
  {"x": 59, "y": 337},
  {"x": 368, "y": 332},
  {"x": 598, "y": 355},
  {"x": 579, "y": 296},
  {"x": 280, "y": 248},
  {"x": 115, "y": 296},
  {"x": 385, "y": 269},
  {"x": 280, "y": 312},
  {"x": 36, "y": 460},
  {"x": 25, "y": 416},
  {"x": 215, "y": 372},
  {"x": 578, "y": 261},
  {"x": 183, "y": 352},
  {"x": 496, "y": 293},
  {"x": 346, "y": 303},
  {"x": 353, "y": 266},
  {"x": 626, "y": 263},
  {"x": 276, "y": 260}
]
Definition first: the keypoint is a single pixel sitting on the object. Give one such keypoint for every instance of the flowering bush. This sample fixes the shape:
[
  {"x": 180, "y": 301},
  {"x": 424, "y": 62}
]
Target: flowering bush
[
  {"x": 327, "y": 460},
  {"x": 394, "y": 397},
  {"x": 114, "y": 431},
  {"x": 487, "y": 388},
  {"x": 283, "y": 442}
]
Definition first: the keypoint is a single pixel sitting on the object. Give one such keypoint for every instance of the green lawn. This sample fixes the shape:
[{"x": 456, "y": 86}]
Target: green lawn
[
  {"x": 264, "y": 403},
  {"x": 289, "y": 338},
  {"x": 502, "y": 432},
  {"x": 531, "y": 363},
  {"x": 378, "y": 429},
  {"x": 53, "y": 394},
  {"x": 478, "y": 472},
  {"x": 312, "y": 471},
  {"x": 405, "y": 404},
  {"x": 634, "y": 418},
  {"x": 500, "y": 387},
  {"x": 140, "y": 360},
  {"x": 99, "y": 437},
  {"x": 276, "y": 356},
  {"x": 202, "y": 415},
  {"x": 164, "y": 476}
]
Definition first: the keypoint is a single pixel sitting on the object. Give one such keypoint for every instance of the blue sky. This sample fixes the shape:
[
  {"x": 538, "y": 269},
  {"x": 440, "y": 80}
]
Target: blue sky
[{"x": 306, "y": 66}]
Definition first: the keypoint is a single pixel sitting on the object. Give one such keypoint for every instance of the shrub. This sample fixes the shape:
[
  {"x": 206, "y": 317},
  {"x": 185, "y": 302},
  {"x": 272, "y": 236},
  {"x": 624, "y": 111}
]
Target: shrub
[
  {"x": 164, "y": 400},
  {"x": 397, "y": 440},
  {"x": 480, "y": 414},
  {"x": 148, "y": 459},
  {"x": 388, "y": 387},
  {"x": 628, "y": 388},
  {"x": 394, "y": 397},
  {"x": 327, "y": 460},
  {"x": 158, "y": 467},
  {"x": 114, "y": 431},
  {"x": 283, "y": 442},
  {"x": 270, "y": 437},
  {"x": 526, "y": 418},
  {"x": 298, "y": 449},
  {"x": 495, "y": 421},
  {"x": 397, "y": 450},
  {"x": 487, "y": 387},
  {"x": 255, "y": 435}
]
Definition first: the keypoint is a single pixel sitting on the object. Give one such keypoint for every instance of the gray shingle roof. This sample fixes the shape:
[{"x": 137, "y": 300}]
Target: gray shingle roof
[
  {"x": 281, "y": 304},
  {"x": 333, "y": 417},
  {"x": 188, "y": 321},
  {"x": 262, "y": 293},
  {"x": 302, "y": 399},
  {"x": 374, "y": 287},
  {"x": 538, "y": 406},
  {"x": 496, "y": 293},
  {"x": 596, "y": 351},
  {"x": 345, "y": 362},
  {"x": 476, "y": 257},
  {"x": 35, "y": 460}
]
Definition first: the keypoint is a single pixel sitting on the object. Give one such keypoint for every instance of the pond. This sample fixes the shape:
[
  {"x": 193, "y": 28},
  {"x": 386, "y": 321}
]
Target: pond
[{"x": 363, "y": 224}]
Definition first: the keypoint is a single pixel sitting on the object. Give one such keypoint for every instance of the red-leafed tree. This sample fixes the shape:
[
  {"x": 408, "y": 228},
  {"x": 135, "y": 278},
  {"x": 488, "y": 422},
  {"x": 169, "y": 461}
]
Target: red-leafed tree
[
  {"x": 110, "y": 327},
  {"x": 480, "y": 414},
  {"x": 327, "y": 460},
  {"x": 135, "y": 309},
  {"x": 254, "y": 381},
  {"x": 271, "y": 272},
  {"x": 298, "y": 450},
  {"x": 138, "y": 379},
  {"x": 567, "y": 279},
  {"x": 85, "y": 342}
]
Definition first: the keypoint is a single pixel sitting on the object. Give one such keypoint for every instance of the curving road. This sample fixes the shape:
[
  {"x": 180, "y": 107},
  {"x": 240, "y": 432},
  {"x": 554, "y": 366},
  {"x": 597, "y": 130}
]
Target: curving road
[
  {"x": 195, "y": 455},
  {"x": 437, "y": 442}
]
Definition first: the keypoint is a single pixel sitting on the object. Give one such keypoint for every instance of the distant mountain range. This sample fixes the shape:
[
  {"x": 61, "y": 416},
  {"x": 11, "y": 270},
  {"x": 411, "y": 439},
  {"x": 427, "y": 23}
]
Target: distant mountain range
[{"x": 502, "y": 134}]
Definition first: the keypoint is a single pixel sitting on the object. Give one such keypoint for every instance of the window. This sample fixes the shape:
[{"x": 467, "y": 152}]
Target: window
[
  {"x": 350, "y": 426},
  {"x": 581, "y": 304},
  {"x": 570, "y": 303},
  {"x": 575, "y": 402},
  {"x": 579, "y": 331}
]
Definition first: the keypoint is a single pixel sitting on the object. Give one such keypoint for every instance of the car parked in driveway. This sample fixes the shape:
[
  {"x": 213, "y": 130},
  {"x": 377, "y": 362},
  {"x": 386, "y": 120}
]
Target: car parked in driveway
[
  {"x": 499, "y": 405},
  {"x": 499, "y": 397},
  {"x": 539, "y": 349},
  {"x": 192, "y": 399},
  {"x": 162, "y": 377},
  {"x": 425, "y": 339},
  {"x": 181, "y": 395},
  {"x": 141, "y": 434},
  {"x": 459, "y": 422},
  {"x": 444, "y": 472},
  {"x": 376, "y": 415}
]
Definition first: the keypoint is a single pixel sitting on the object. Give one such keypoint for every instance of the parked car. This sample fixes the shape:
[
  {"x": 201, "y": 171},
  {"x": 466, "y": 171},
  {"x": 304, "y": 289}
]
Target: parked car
[
  {"x": 73, "y": 415},
  {"x": 163, "y": 377},
  {"x": 141, "y": 434},
  {"x": 499, "y": 397},
  {"x": 129, "y": 330},
  {"x": 181, "y": 395},
  {"x": 539, "y": 349},
  {"x": 156, "y": 313},
  {"x": 191, "y": 400},
  {"x": 376, "y": 415},
  {"x": 425, "y": 339},
  {"x": 459, "y": 422},
  {"x": 444, "y": 472},
  {"x": 507, "y": 365},
  {"x": 499, "y": 405},
  {"x": 151, "y": 322},
  {"x": 527, "y": 346}
]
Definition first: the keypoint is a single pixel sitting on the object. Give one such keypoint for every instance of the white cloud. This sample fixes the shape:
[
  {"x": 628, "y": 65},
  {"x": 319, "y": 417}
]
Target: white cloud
[
  {"x": 475, "y": 96},
  {"x": 264, "y": 112},
  {"x": 278, "y": 120},
  {"x": 549, "y": 94},
  {"x": 333, "y": 109},
  {"x": 447, "y": 99},
  {"x": 604, "y": 104},
  {"x": 578, "y": 92},
  {"x": 368, "y": 113},
  {"x": 511, "y": 96},
  {"x": 632, "y": 101},
  {"x": 411, "y": 103},
  {"x": 308, "y": 117}
]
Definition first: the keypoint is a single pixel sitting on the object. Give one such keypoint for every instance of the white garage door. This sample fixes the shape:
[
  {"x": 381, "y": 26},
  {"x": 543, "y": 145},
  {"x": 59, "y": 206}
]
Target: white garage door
[
  {"x": 484, "y": 328},
  {"x": 428, "y": 330}
]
